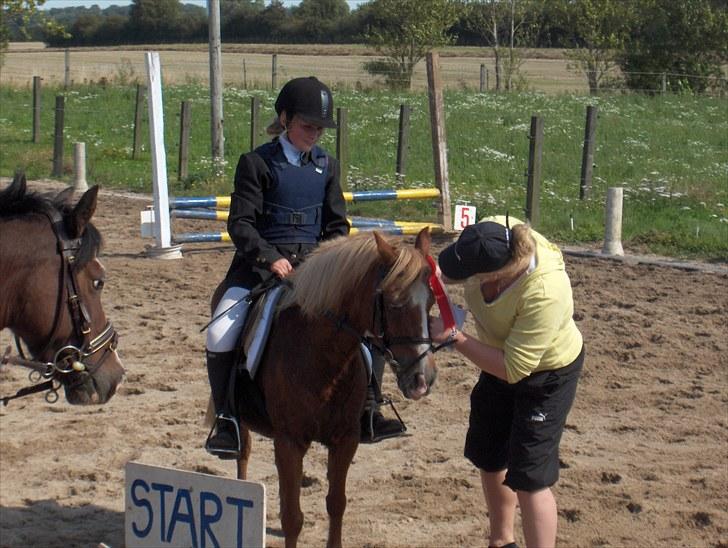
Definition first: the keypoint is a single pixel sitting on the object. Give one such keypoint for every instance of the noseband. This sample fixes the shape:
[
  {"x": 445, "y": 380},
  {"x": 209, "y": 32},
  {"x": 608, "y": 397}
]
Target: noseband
[{"x": 71, "y": 357}]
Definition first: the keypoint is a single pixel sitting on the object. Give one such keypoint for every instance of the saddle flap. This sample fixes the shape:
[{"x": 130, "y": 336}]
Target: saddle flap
[{"x": 257, "y": 328}]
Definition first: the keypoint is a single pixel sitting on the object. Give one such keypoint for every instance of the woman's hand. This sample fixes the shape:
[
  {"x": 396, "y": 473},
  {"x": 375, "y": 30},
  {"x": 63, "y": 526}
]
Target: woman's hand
[{"x": 281, "y": 268}]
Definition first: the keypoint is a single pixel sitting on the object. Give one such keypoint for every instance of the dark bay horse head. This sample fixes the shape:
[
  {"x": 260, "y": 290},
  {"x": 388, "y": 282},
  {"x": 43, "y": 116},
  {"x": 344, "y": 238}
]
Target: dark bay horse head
[
  {"x": 51, "y": 282},
  {"x": 379, "y": 288}
]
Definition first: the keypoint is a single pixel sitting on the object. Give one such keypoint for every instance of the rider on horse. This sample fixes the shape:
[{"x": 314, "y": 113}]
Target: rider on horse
[{"x": 287, "y": 199}]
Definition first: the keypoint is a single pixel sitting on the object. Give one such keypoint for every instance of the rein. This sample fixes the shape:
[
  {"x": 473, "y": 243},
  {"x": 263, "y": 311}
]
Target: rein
[{"x": 69, "y": 358}]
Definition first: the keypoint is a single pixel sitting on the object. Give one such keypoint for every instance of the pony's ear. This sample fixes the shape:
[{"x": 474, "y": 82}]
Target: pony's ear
[
  {"x": 386, "y": 251},
  {"x": 423, "y": 241},
  {"x": 83, "y": 212}
]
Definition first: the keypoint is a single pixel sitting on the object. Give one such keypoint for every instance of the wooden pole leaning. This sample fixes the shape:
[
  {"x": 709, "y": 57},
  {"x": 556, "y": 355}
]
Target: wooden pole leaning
[
  {"x": 587, "y": 158},
  {"x": 439, "y": 139},
  {"x": 533, "y": 184}
]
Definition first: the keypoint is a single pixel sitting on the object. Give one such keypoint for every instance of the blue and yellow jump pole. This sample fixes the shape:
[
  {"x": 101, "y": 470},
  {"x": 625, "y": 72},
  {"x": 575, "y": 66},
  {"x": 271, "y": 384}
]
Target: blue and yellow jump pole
[{"x": 222, "y": 202}]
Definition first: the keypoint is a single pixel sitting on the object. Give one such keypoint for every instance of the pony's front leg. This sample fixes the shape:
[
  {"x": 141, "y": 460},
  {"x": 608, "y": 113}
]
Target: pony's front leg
[
  {"x": 244, "y": 452},
  {"x": 340, "y": 457},
  {"x": 289, "y": 462}
]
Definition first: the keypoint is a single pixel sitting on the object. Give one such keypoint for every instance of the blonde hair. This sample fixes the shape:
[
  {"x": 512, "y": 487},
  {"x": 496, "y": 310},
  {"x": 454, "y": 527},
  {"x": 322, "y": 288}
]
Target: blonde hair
[{"x": 523, "y": 247}]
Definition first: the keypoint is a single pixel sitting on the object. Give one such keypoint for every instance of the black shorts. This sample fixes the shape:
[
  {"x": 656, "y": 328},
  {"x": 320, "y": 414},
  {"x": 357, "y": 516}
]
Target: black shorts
[{"x": 518, "y": 426}]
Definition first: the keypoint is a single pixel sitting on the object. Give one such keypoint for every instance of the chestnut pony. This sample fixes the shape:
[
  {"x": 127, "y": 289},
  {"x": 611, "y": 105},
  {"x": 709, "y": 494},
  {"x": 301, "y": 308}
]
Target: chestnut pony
[
  {"x": 312, "y": 379},
  {"x": 50, "y": 292}
]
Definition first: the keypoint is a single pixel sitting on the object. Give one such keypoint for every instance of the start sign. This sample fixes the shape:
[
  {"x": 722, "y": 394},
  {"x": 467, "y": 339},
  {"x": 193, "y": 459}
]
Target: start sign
[{"x": 167, "y": 507}]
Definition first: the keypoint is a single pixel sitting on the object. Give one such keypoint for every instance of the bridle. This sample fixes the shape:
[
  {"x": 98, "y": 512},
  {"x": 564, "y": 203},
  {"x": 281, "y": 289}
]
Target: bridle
[
  {"x": 380, "y": 340},
  {"x": 70, "y": 358}
]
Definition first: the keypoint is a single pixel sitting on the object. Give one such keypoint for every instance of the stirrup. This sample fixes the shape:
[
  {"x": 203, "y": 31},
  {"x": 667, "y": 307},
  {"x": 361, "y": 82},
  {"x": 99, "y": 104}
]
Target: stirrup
[
  {"x": 225, "y": 454},
  {"x": 373, "y": 438}
]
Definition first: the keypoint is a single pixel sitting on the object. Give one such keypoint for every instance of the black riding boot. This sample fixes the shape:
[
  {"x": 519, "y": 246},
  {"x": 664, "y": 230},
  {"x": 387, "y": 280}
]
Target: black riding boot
[
  {"x": 224, "y": 440},
  {"x": 374, "y": 426}
]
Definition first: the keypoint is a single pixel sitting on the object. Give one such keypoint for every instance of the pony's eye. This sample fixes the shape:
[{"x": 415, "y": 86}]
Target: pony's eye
[{"x": 98, "y": 285}]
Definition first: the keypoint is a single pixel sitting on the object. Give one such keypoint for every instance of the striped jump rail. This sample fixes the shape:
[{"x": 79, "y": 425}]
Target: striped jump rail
[
  {"x": 221, "y": 202},
  {"x": 223, "y": 236},
  {"x": 356, "y": 222}
]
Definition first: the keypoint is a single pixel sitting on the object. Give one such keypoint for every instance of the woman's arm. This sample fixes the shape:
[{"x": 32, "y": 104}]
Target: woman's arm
[{"x": 246, "y": 208}]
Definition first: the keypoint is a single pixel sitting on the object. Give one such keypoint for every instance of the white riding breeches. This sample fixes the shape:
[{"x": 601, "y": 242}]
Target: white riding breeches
[{"x": 223, "y": 332}]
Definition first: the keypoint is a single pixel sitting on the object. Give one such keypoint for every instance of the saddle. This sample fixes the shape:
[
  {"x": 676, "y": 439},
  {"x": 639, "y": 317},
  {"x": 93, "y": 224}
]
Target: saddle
[{"x": 243, "y": 393}]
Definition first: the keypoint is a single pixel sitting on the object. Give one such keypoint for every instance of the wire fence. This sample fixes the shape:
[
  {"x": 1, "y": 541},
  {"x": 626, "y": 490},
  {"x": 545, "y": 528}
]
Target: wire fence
[{"x": 266, "y": 71}]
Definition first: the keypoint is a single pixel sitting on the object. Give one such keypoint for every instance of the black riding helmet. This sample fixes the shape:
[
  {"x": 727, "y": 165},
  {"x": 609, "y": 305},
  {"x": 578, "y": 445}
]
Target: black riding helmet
[{"x": 308, "y": 98}]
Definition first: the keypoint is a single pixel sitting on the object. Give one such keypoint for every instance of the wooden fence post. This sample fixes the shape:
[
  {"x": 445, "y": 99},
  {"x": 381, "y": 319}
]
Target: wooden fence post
[
  {"x": 483, "y": 78},
  {"x": 138, "y": 108},
  {"x": 439, "y": 139},
  {"x": 36, "y": 109},
  {"x": 533, "y": 187},
  {"x": 184, "y": 141},
  {"x": 587, "y": 158},
  {"x": 613, "y": 223},
  {"x": 342, "y": 146},
  {"x": 403, "y": 142},
  {"x": 58, "y": 138},
  {"x": 274, "y": 72},
  {"x": 254, "y": 122},
  {"x": 67, "y": 71}
]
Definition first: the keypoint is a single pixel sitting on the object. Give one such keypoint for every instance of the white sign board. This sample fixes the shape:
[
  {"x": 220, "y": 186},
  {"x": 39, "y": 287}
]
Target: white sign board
[
  {"x": 167, "y": 507},
  {"x": 464, "y": 216}
]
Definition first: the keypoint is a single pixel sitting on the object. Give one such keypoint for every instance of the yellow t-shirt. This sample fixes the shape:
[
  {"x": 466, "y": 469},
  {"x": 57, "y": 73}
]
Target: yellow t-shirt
[{"x": 531, "y": 321}]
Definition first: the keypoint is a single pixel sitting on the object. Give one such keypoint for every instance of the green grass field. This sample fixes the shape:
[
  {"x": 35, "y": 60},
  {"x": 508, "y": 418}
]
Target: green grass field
[{"x": 669, "y": 153}]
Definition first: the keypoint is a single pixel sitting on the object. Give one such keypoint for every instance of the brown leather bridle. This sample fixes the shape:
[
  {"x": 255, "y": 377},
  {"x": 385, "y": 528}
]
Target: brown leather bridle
[{"x": 70, "y": 358}]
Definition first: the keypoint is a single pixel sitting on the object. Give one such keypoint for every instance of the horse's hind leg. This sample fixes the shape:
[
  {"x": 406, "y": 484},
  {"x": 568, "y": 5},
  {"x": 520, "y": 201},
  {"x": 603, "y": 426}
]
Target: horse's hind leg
[
  {"x": 244, "y": 452},
  {"x": 289, "y": 462},
  {"x": 340, "y": 457}
]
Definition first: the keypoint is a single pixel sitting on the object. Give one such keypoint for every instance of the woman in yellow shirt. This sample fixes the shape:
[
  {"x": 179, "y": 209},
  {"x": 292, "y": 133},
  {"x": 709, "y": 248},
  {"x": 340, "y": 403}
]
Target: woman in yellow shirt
[{"x": 531, "y": 354}]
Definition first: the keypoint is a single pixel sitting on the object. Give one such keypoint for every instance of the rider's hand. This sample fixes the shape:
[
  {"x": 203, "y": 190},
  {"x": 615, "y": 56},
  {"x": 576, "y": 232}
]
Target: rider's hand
[{"x": 281, "y": 268}]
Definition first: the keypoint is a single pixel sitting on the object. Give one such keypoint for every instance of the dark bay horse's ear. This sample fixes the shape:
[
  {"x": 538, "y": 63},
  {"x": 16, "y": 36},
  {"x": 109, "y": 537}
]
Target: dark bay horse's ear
[
  {"x": 82, "y": 213},
  {"x": 386, "y": 251},
  {"x": 64, "y": 196},
  {"x": 423, "y": 241},
  {"x": 18, "y": 187}
]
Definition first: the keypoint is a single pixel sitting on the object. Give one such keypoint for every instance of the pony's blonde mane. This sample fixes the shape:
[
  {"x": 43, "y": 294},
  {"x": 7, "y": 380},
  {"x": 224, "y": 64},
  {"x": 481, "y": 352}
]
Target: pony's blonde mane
[{"x": 328, "y": 279}]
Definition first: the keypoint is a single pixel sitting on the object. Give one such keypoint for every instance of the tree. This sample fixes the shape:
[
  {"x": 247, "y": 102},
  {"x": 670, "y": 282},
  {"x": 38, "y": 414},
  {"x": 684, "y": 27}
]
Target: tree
[
  {"x": 404, "y": 31},
  {"x": 19, "y": 14},
  {"x": 686, "y": 40},
  {"x": 501, "y": 22},
  {"x": 319, "y": 20},
  {"x": 155, "y": 19},
  {"x": 599, "y": 31}
]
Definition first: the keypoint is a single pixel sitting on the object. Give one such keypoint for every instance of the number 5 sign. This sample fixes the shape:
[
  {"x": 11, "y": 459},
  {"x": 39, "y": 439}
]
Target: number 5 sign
[{"x": 464, "y": 216}]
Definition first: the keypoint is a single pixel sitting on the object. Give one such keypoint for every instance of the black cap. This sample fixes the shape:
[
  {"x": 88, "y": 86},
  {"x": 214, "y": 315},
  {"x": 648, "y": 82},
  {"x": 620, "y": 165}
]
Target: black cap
[
  {"x": 308, "y": 98},
  {"x": 482, "y": 247}
]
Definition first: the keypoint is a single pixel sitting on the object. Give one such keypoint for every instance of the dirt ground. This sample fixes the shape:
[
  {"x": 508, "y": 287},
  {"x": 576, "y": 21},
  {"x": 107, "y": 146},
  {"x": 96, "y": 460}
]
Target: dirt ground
[{"x": 644, "y": 456}]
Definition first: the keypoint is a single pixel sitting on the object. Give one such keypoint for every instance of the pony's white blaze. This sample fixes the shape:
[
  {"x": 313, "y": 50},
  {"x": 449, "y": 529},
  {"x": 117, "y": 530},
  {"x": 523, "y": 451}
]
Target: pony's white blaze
[{"x": 420, "y": 296}]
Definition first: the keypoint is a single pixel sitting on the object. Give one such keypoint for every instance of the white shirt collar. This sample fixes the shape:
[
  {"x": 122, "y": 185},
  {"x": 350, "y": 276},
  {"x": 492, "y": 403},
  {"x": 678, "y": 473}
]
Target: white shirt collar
[{"x": 293, "y": 155}]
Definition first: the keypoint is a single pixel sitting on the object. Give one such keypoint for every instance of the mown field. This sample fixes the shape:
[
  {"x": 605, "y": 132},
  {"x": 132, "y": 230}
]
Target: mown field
[{"x": 669, "y": 153}]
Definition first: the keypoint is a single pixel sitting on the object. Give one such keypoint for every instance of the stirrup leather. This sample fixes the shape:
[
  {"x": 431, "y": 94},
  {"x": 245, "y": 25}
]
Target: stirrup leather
[{"x": 224, "y": 453}]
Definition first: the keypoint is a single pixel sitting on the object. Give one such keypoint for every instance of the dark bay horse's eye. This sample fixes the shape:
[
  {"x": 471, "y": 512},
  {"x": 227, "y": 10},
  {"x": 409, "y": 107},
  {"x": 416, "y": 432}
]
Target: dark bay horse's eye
[{"x": 98, "y": 284}]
